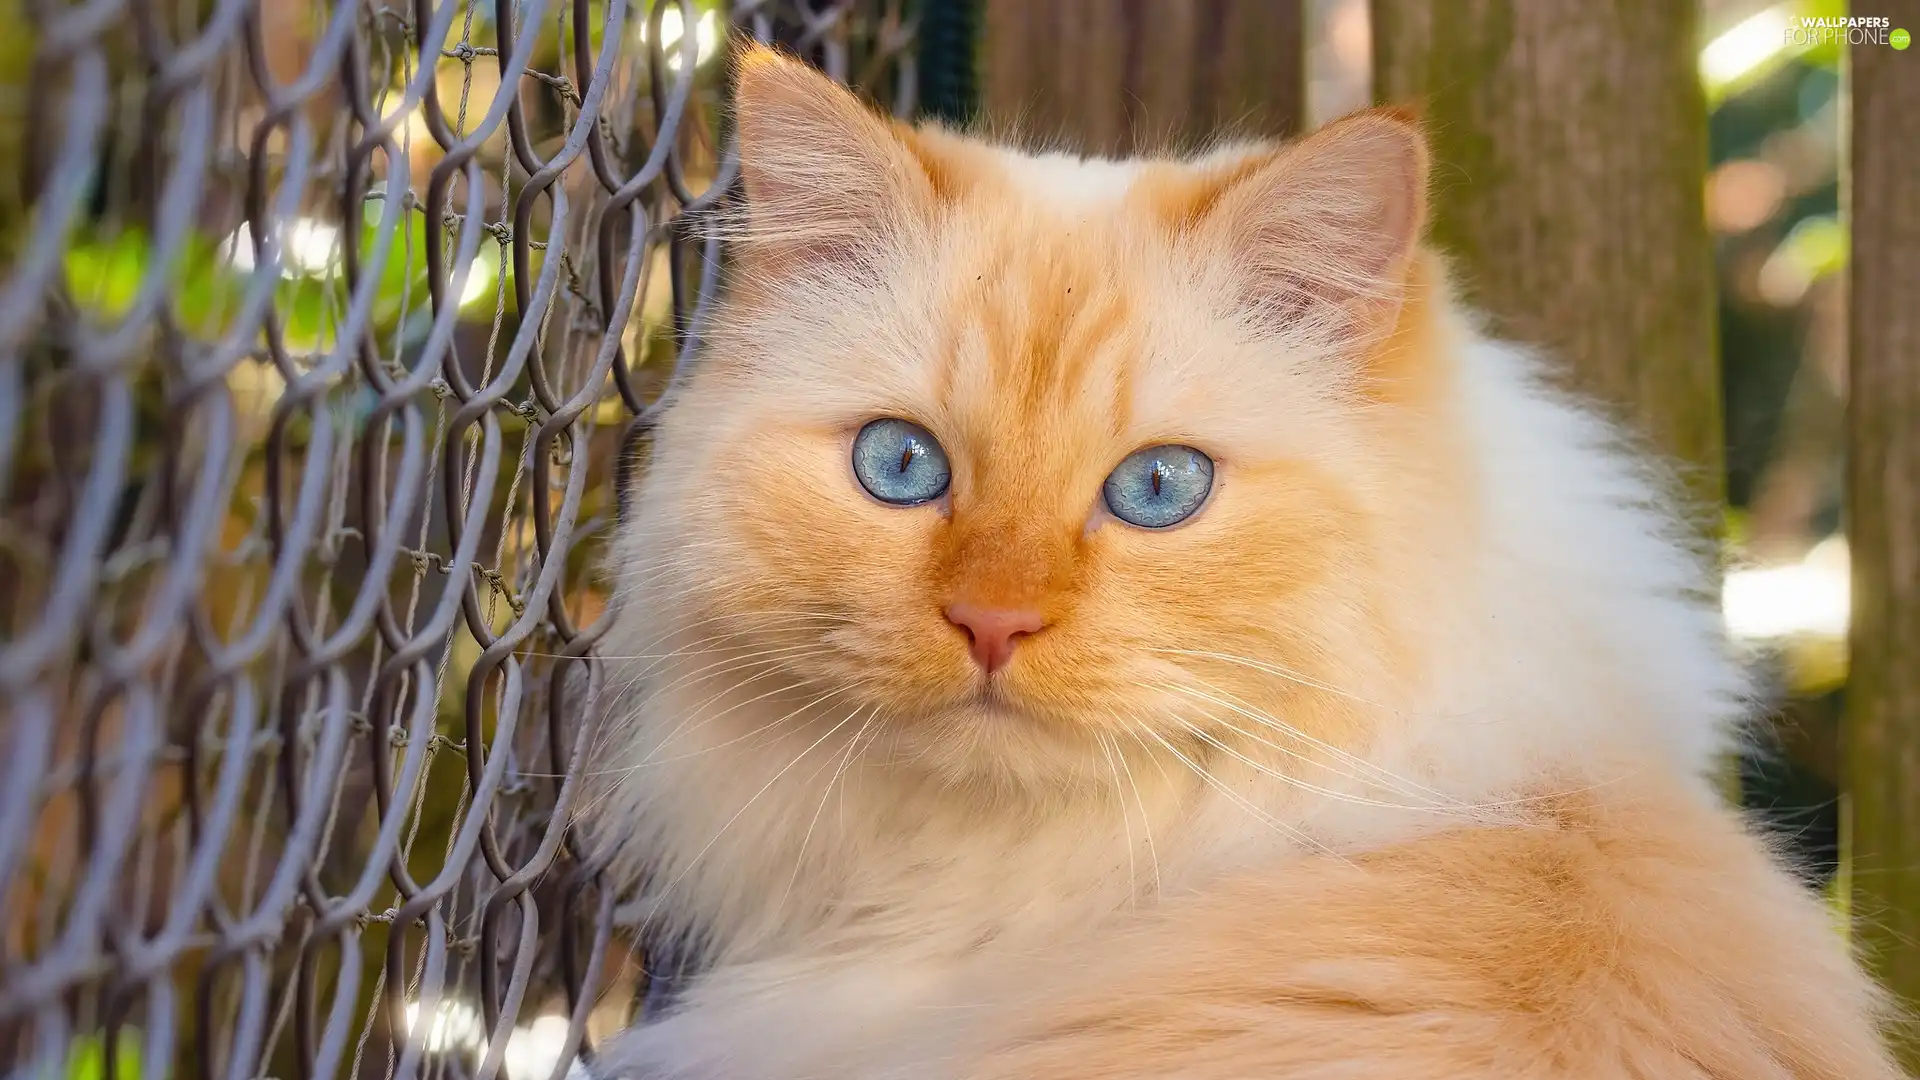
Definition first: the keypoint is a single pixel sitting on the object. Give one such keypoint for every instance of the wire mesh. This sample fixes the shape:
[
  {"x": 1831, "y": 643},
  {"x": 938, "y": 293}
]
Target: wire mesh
[{"x": 325, "y": 326}]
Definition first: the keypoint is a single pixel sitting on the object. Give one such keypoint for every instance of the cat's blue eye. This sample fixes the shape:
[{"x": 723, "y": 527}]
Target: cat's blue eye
[
  {"x": 1159, "y": 486},
  {"x": 900, "y": 463}
]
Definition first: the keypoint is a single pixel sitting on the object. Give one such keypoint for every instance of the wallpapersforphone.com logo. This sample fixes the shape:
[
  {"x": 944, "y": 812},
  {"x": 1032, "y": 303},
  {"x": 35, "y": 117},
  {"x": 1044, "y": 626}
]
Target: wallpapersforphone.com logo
[{"x": 1847, "y": 30}]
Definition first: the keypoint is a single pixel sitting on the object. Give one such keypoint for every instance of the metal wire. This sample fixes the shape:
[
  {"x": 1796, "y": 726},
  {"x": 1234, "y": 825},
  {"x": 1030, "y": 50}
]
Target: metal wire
[{"x": 324, "y": 329}]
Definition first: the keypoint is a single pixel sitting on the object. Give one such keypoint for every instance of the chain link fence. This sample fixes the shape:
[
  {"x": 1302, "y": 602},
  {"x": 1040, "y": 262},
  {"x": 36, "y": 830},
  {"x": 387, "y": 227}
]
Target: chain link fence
[{"x": 326, "y": 332}]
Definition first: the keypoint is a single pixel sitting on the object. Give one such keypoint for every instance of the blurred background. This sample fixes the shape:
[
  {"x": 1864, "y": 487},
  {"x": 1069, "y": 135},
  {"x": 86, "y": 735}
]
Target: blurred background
[{"x": 330, "y": 329}]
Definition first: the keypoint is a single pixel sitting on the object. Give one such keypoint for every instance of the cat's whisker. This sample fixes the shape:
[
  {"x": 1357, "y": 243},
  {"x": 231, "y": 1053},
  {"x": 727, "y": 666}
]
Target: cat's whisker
[
  {"x": 1139, "y": 800},
  {"x": 1390, "y": 779},
  {"x": 1126, "y": 819},
  {"x": 1276, "y": 671},
  {"x": 667, "y": 545},
  {"x": 610, "y": 732},
  {"x": 652, "y": 761},
  {"x": 1290, "y": 831},
  {"x": 1440, "y": 803},
  {"x": 755, "y": 622},
  {"x": 724, "y": 660},
  {"x": 661, "y": 897},
  {"x": 1285, "y": 729},
  {"x": 789, "y": 624},
  {"x": 720, "y": 657},
  {"x": 634, "y": 675},
  {"x": 1295, "y": 782},
  {"x": 1359, "y": 769},
  {"x": 695, "y": 714},
  {"x": 768, "y": 661},
  {"x": 761, "y": 666},
  {"x": 846, "y": 758},
  {"x": 655, "y": 762},
  {"x": 616, "y": 727},
  {"x": 885, "y": 729}
]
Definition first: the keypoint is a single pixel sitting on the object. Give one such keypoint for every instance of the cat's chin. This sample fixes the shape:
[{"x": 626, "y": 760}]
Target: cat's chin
[
  {"x": 988, "y": 707},
  {"x": 993, "y": 701},
  {"x": 991, "y": 693},
  {"x": 993, "y": 736}
]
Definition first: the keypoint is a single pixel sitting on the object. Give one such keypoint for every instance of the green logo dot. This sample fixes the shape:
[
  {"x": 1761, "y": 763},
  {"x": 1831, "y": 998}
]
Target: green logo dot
[{"x": 1900, "y": 39}]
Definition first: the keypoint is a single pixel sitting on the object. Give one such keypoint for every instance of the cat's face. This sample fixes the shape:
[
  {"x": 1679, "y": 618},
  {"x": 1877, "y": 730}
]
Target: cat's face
[{"x": 1019, "y": 456}]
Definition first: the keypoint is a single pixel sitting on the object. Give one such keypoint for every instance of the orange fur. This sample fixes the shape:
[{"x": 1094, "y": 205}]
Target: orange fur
[
  {"x": 1387, "y": 763},
  {"x": 1630, "y": 933}
]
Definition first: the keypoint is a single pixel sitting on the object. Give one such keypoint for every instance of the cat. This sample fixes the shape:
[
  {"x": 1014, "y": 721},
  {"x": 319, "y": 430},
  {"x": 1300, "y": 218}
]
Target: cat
[{"x": 1124, "y": 619}]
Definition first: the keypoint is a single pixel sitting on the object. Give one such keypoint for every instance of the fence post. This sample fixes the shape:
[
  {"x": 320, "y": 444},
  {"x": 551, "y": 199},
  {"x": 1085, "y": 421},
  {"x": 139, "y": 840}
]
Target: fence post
[
  {"x": 1132, "y": 76},
  {"x": 1570, "y": 144},
  {"x": 1881, "y": 732},
  {"x": 949, "y": 47}
]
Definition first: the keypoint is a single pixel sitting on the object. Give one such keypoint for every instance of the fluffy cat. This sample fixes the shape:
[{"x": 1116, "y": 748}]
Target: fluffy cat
[{"x": 1359, "y": 728}]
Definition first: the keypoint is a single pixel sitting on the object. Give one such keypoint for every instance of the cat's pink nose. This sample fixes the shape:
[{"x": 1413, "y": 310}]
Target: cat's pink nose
[{"x": 992, "y": 631}]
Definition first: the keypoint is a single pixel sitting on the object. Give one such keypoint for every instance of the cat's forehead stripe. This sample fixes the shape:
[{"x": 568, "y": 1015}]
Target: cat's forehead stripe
[{"x": 1047, "y": 336}]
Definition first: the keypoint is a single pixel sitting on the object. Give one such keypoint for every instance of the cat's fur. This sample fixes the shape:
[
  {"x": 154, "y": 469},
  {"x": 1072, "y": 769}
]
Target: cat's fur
[{"x": 1391, "y": 763}]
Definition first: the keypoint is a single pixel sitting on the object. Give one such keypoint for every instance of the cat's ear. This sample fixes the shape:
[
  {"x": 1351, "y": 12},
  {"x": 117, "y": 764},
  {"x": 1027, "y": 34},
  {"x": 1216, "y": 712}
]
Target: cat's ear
[
  {"x": 827, "y": 180},
  {"x": 1321, "y": 234}
]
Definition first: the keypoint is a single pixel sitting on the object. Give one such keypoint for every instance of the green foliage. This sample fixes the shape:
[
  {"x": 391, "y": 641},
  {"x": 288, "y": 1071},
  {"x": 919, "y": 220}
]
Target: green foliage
[
  {"x": 87, "y": 1057},
  {"x": 208, "y": 280}
]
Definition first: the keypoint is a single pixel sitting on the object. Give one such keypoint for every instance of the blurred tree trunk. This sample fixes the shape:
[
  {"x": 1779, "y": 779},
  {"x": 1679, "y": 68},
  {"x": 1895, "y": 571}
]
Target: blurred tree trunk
[
  {"x": 1570, "y": 144},
  {"x": 1132, "y": 76},
  {"x": 1881, "y": 735}
]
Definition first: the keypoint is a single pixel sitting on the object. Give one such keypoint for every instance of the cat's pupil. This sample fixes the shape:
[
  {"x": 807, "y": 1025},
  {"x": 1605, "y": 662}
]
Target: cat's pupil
[
  {"x": 1159, "y": 468},
  {"x": 906, "y": 456}
]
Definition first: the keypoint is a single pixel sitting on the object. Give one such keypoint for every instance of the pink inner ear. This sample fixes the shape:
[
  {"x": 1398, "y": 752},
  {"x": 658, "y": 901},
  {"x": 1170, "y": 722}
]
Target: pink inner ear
[
  {"x": 826, "y": 179},
  {"x": 1322, "y": 234}
]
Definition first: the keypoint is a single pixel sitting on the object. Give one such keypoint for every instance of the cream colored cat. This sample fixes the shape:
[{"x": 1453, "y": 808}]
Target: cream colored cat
[{"x": 1120, "y": 619}]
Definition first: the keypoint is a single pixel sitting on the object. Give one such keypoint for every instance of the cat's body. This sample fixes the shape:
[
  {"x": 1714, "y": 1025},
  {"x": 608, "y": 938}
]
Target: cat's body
[{"x": 1389, "y": 763}]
